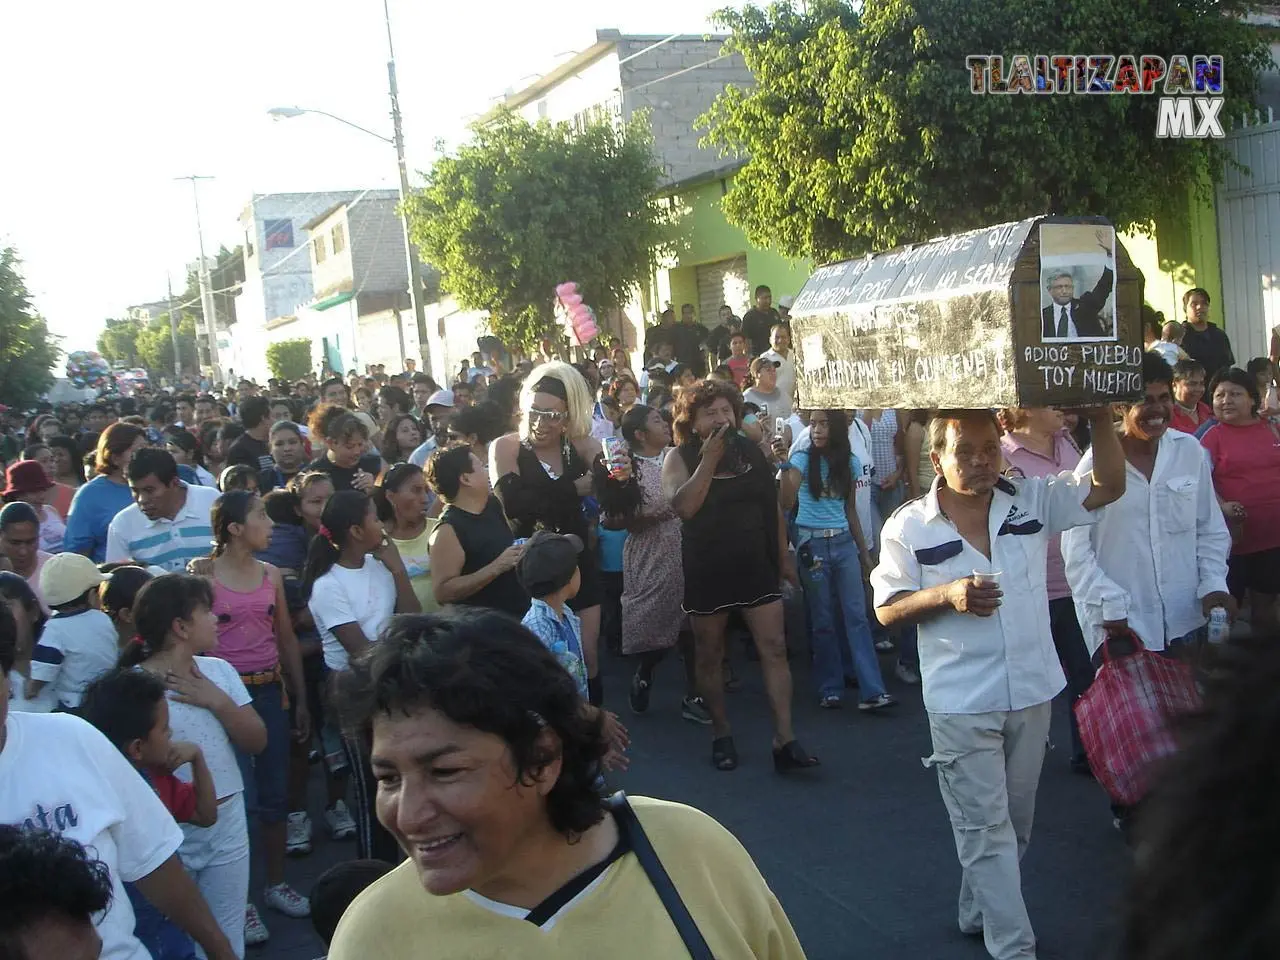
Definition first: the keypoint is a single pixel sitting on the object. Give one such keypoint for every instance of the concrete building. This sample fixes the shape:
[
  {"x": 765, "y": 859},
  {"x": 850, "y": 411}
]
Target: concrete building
[
  {"x": 359, "y": 312},
  {"x": 277, "y": 274},
  {"x": 675, "y": 80},
  {"x": 144, "y": 313}
]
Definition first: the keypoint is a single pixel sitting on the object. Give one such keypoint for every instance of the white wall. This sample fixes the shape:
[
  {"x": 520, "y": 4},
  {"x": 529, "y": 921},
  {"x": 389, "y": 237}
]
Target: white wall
[
  {"x": 593, "y": 84},
  {"x": 284, "y": 274},
  {"x": 461, "y": 330}
]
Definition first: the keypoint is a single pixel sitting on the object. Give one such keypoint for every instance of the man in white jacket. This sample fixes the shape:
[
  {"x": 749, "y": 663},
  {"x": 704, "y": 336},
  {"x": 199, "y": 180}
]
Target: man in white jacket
[{"x": 1156, "y": 560}]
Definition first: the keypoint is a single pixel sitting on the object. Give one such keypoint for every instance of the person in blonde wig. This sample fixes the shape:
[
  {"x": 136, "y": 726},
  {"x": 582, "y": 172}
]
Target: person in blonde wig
[
  {"x": 541, "y": 475},
  {"x": 578, "y": 398}
]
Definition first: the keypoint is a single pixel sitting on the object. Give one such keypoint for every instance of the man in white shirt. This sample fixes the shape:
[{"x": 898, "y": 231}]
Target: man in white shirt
[
  {"x": 780, "y": 339},
  {"x": 437, "y": 413},
  {"x": 1156, "y": 560},
  {"x": 967, "y": 563},
  {"x": 169, "y": 522}
]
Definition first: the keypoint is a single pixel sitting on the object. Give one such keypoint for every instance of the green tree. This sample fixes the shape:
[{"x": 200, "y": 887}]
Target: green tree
[
  {"x": 289, "y": 359},
  {"x": 28, "y": 351},
  {"x": 118, "y": 341},
  {"x": 155, "y": 345},
  {"x": 523, "y": 207},
  {"x": 861, "y": 132}
]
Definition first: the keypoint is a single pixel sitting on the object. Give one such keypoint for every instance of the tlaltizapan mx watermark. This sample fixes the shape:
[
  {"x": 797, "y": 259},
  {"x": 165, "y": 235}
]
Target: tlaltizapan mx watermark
[{"x": 1189, "y": 87}]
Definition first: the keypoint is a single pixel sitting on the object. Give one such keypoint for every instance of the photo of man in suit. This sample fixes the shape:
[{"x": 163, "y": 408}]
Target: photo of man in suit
[{"x": 1064, "y": 316}]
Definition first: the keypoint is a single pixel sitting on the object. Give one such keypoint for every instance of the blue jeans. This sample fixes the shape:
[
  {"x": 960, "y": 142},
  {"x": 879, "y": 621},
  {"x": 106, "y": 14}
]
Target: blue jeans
[
  {"x": 266, "y": 776},
  {"x": 832, "y": 576},
  {"x": 163, "y": 940}
]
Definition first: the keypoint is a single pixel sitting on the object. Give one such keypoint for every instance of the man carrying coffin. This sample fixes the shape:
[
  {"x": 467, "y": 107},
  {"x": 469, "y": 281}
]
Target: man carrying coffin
[{"x": 967, "y": 563}]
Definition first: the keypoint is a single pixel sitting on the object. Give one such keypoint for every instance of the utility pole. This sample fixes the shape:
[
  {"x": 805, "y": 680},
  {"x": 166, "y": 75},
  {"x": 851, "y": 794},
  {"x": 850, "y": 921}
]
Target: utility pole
[
  {"x": 206, "y": 286},
  {"x": 173, "y": 331},
  {"x": 415, "y": 268}
]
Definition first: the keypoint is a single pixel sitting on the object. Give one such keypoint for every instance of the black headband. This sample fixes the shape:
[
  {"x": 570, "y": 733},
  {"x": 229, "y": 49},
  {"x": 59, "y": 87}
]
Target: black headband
[{"x": 553, "y": 386}]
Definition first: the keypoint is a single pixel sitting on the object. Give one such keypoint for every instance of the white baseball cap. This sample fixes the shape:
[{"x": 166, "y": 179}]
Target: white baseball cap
[
  {"x": 67, "y": 576},
  {"x": 441, "y": 398}
]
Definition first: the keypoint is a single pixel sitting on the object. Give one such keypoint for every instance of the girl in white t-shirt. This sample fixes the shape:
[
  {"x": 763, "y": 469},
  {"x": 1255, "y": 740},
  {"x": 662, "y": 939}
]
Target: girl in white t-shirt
[
  {"x": 355, "y": 581},
  {"x": 210, "y": 707}
]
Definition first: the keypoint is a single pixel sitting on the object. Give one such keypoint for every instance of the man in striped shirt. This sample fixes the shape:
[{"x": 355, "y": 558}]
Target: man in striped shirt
[{"x": 168, "y": 523}]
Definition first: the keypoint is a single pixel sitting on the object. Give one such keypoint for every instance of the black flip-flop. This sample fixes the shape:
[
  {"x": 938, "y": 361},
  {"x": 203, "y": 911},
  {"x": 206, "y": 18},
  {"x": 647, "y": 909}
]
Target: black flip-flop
[{"x": 724, "y": 755}]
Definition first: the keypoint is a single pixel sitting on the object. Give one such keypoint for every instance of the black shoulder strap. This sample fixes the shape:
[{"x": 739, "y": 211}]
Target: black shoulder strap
[{"x": 657, "y": 874}]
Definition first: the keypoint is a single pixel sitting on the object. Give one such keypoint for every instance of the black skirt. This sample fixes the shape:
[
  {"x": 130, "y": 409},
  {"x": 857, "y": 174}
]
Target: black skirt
[{"x": 730, "y": 546}]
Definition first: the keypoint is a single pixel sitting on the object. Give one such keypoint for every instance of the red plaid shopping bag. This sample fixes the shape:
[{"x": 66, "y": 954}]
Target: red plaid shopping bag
[{"x": 1126, "y": 716}]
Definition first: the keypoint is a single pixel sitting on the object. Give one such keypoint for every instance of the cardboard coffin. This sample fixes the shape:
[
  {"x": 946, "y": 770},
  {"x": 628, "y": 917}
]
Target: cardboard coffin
[{"x": 1040, "y": 312}]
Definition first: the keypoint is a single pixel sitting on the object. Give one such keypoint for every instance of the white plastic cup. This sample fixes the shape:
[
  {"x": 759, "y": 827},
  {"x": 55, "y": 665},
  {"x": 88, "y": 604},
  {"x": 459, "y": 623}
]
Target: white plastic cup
[{"x": 983, "y": 578}]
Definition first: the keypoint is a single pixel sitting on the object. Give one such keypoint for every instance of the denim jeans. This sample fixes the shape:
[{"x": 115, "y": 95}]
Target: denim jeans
[
  {"x": 832, "y": 576},
  {"x": 266, "y": 774},
  {"x": 163, "y": 940}
]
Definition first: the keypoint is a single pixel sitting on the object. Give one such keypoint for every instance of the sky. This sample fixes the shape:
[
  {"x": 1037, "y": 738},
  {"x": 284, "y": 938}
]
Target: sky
[{"x": 105, "y": 104}]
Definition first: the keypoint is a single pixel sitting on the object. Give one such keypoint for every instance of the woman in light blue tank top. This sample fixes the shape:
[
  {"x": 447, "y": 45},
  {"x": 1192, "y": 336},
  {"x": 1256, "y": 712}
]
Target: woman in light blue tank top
[{"x": 833, "y": 561}]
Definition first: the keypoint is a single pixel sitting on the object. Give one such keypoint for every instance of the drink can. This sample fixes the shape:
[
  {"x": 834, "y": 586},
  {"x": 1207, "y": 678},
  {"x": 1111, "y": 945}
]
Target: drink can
[
  {"x": 1219, "y": 625},
  {"x": 612, "y": 447}
]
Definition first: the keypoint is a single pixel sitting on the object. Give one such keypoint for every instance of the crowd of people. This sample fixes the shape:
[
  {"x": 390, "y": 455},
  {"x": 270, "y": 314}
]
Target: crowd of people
[{"x": 416, "y": 587}]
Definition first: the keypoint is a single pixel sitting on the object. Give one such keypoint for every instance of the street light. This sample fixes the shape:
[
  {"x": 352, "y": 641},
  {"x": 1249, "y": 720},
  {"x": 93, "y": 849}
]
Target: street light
[
  {"x": 285, "y": 113},
  {"x": 397, "y": 141}
]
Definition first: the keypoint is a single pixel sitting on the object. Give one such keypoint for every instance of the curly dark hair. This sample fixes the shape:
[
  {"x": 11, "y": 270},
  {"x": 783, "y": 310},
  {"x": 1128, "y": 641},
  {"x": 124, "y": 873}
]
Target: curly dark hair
[
  {"x": 1205, "y": 882},
  {"x": 702, "y": 394},
  {"x": 482, "y": 669},
  {"x": 44, "y": 874}
]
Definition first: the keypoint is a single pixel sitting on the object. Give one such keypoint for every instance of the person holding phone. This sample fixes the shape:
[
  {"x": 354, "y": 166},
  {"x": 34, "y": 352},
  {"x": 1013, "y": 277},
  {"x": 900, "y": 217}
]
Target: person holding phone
[
  {"x": 346, "y": 458},
  {"x": 734, "y": 548}
]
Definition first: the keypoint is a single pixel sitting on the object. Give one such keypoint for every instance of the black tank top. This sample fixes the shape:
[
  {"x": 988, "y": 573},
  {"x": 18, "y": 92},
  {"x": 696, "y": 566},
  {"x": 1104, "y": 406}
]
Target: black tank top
[{"x": 483, "y": 536}]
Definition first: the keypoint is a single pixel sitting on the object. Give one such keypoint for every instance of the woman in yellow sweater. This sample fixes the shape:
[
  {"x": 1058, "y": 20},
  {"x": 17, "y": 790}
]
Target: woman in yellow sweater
[{"x": 487, "y": 768}]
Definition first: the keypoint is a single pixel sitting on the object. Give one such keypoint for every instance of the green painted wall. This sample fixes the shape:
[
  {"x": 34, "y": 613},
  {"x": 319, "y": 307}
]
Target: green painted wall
[
  {"x": 705, "y": 236},
  {"x": 1183, "y": 254}
]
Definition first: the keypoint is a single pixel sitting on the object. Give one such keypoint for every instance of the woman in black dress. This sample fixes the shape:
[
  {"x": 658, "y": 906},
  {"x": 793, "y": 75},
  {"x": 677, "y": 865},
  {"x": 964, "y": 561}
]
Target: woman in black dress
[
  {"x": 542, "y": 474},
  {"x": 735, "y": 557}
]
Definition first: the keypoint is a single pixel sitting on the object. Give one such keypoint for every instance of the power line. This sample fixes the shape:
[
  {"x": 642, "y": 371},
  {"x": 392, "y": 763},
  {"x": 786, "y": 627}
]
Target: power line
[
  {"x": 649, "y": 83},
  {"x": 652, "y": 46}
]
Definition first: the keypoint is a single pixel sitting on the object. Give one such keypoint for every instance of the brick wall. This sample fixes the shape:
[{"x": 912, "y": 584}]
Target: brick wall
[
  {"x": 675, "y": 102},
  {"x": 376, "y": 241}
]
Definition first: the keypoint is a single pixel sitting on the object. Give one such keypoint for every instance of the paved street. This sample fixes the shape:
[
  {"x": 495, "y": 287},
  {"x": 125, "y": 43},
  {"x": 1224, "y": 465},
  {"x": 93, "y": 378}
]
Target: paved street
[{"x": 860, "y": 853}]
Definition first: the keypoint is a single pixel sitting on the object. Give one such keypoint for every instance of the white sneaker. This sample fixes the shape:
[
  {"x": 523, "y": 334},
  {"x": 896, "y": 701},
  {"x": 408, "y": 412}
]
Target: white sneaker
[
  {"x": 341, "y": 826},
  {"x": 255, "y": 931},
  {"x": 298, "y": 834},
  {"x": 907, "y": 674},
  {"x": 282, "y": 898}
]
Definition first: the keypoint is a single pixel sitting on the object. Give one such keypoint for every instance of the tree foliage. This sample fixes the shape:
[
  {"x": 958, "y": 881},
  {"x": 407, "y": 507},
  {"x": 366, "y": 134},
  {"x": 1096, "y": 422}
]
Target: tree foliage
[
  {"x": 136, "y": 344},
  {"x": 862, "y": 133},
  {"x": 155, "y": 345},
  {"x": 28, "y": 351},
  {"x": 118, "y": 341},
  {"x": 289, "y": 359},
  {"x": 523, "y": 207}
]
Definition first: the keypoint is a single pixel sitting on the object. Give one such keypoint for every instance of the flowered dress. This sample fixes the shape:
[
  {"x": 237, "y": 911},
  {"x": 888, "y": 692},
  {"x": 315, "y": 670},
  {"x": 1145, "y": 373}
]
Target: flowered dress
[{"x": 652, "y": 571}]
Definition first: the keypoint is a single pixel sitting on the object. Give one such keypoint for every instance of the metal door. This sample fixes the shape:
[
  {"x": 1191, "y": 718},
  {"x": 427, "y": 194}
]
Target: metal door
[{"x": 1249, "y": 240}]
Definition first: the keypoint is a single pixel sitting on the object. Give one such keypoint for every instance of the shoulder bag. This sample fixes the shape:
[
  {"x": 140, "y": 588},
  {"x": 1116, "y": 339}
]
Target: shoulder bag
[{"x": 630, "y": 826}]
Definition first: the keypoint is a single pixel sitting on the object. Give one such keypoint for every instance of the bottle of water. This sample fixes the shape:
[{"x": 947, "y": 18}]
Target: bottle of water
[{"x": 1219, "y": 625}]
